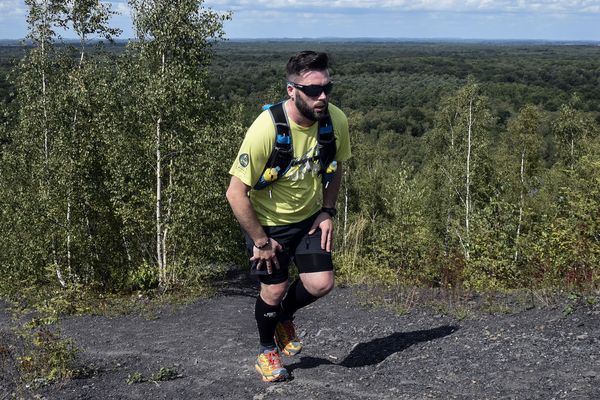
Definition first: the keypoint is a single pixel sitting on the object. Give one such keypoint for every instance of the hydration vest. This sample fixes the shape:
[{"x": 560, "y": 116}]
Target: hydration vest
[{"x": 281, "y": 158}]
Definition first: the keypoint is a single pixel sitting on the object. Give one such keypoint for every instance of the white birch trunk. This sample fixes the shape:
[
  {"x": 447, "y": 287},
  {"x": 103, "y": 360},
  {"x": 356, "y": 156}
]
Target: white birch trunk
[
  {"x": 161, "y": 255},
  {"x": 521, "y": 205},
  {"x": 572, "y": 153},
  {"x": 46, "y": 189},
  {"x": 468, "y": 181},
  {"x": 126, "y": 245},
  {"x": 45, "y": 111},
  {"x": 82, "y": 46},
  {"x": 71, "y": 170},
  {"x": 69, "y": 234},
  {"x": 159, "y": 227},
  {"x": 167, "y": 222}
]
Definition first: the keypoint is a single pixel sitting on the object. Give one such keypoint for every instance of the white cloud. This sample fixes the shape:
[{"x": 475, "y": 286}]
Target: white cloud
[
  {"x": 535, "y": 19},
  {"x": 121, "y": 7},
  {"x": 502, "y": 6},
  {"x": 11, "y": 8}
]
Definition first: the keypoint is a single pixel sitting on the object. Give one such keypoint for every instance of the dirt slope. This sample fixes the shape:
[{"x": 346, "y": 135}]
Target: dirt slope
[{"x": 351, "y": 352}]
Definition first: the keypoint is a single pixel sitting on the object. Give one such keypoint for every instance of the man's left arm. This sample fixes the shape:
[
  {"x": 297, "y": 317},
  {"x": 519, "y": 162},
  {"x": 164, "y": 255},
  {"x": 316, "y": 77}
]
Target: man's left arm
[{"x": 324, "y": 221}]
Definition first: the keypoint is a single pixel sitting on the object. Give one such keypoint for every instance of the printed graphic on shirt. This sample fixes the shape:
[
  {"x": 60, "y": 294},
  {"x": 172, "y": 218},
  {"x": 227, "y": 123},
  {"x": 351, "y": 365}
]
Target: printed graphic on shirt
[
  {"x": 309, "y": 162},
  {"x": 244, "y": 160}
]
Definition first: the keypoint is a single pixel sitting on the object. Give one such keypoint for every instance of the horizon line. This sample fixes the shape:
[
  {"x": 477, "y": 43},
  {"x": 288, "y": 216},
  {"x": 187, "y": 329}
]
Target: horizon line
[{"x": 356, "y": 38}]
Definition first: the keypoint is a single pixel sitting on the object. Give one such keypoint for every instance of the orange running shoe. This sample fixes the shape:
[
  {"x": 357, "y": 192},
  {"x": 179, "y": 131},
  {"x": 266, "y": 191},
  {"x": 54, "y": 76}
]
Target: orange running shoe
[
  {"x": 286, "y": 339},
  {"x": 268, "y": 365}
]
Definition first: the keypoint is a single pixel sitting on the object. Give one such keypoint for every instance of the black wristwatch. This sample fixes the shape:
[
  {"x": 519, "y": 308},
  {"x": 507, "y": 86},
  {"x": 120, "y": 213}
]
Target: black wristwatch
[
  {"x": 264, "y": 245},
  {"x": 329, "y": 210}
]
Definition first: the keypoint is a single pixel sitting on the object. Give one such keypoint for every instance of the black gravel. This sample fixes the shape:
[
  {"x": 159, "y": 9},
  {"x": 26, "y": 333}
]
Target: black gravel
[{"x": 352, "y": 351}]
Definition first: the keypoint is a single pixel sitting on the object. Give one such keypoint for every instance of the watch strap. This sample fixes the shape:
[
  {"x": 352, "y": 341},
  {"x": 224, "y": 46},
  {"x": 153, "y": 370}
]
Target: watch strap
[
  {"x": 329, "y": 210},
  {"x": 264, "y": 245}
]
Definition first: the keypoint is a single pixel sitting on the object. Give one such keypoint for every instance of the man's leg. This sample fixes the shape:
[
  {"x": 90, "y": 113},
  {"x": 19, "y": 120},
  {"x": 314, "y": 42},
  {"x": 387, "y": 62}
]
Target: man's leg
[
  {"x": 268, "y": 303},
  {"x": 304, "y": 291},
  {"x": 267, "y": 312},
  {"x": 315, "y": 281},
  {"x": 318, "y": 284}
]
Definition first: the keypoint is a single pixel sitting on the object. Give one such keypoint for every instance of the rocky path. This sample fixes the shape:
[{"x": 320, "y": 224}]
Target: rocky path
[{"x": 351, "y": 352}]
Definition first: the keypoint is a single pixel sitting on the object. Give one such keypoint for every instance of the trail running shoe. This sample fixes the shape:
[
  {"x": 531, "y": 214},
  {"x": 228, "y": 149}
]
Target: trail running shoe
[
  {"x": 268, "y": 365},
  {"x": 286, "y": 339}
]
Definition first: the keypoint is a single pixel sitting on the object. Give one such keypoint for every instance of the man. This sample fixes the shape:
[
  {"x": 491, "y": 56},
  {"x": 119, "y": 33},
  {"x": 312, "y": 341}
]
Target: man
[{"x": 291, "y": 219}]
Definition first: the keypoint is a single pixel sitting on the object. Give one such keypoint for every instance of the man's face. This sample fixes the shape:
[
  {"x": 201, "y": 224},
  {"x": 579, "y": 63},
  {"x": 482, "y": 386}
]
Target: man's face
[{"x": 311, "y": 108}]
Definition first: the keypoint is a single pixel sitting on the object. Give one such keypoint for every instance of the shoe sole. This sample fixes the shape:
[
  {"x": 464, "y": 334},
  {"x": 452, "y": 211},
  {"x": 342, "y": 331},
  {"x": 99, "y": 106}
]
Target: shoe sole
[
  {"x": 277, "y": 378},
  {"x": 285, "y": 351},
  {"x": 289, "y": 353}
]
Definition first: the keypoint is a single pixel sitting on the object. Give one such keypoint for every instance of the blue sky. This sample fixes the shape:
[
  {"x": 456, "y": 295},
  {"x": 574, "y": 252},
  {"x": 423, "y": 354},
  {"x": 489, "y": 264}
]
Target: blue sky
[{"x": 469, "y": 19}]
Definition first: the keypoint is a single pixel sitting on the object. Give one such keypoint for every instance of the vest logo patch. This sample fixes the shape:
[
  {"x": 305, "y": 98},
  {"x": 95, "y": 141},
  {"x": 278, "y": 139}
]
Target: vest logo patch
[{"x": 244, "y": 160}]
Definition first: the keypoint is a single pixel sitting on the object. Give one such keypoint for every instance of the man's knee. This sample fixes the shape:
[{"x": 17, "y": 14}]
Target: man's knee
[
  {"x": 319, "y": 287},
  {"x": 272, "y": 294}
]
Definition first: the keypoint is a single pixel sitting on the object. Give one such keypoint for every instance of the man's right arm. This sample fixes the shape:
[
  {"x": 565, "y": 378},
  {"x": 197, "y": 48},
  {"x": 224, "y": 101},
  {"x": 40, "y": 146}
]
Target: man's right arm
[
  {"x": 237, "y": 195},
  {"x": 265, "y": 255}
]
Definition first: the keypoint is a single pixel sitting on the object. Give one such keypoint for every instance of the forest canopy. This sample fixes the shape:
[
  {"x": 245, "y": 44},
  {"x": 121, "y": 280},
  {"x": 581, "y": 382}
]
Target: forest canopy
[{"x": 474, "y": 164}]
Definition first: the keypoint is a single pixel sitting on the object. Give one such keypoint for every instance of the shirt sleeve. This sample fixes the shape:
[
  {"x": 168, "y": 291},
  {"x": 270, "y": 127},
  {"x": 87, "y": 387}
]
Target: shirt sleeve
[
  {"x": 255, "y": 150},
  {"x": 342, "y": 135}
]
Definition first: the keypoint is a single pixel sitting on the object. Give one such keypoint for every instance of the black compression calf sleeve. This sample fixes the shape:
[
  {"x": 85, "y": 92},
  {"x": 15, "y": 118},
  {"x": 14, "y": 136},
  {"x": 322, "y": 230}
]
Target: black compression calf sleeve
[
  {"x": 266, "y": 318},
  {"x": 297, "y": 297}
]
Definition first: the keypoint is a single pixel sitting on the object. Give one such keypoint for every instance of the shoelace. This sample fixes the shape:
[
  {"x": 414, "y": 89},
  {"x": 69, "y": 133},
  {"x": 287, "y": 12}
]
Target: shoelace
[{"x": 273, "y": 359}]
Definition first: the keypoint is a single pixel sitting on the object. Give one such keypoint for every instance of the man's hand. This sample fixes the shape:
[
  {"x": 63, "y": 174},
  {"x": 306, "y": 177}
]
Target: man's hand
[
  {"x": 266, "y": 257},
  {"x": 325, "y": 223}
]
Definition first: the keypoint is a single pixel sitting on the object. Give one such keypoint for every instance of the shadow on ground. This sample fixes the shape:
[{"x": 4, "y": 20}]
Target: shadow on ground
[{"x": 379, "y": 349}]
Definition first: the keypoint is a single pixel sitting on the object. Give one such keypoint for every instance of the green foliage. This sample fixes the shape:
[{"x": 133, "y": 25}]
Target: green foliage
[
  {"x": 136, "y": 377},
  {"x": 571, "y": 128},
  {"x": 483, "y": 212},
  {"x": 164, "y": 374},
  {"x": 79, "y": 157},
  {"x": 143, "y": 278},
  {"x": 78, "y": 147},
  {"x": 47, "y": 357},
  {"x": 159, "y": 153},
  {"x": 43, "y": 355}
]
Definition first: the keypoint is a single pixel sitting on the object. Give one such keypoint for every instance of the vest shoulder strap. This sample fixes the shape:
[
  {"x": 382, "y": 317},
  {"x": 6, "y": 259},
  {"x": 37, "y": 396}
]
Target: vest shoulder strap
[
  {"x": 280, "y": 160},
  {"x": 282, "y": 154},
  {"x": 327, "y": 150}
]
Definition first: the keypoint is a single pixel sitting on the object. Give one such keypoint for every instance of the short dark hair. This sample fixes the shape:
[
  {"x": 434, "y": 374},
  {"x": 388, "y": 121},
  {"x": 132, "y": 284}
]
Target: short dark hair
[{"x": 306, "y": 61}]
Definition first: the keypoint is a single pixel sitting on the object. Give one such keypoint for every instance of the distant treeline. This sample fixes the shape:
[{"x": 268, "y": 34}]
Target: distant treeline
[{"x": 404, "y": 77}]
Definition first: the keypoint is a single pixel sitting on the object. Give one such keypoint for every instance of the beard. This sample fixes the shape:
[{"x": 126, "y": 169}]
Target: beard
[{"x": 310, "y": 113}]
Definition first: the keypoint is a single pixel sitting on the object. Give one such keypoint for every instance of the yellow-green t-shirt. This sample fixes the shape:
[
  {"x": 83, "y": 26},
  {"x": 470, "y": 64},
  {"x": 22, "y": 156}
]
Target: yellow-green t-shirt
[{"x": 296, "y": 195}]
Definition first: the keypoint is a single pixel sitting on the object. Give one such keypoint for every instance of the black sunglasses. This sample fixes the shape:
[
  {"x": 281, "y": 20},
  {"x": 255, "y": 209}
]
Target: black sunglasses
[{"x": 313, "y": 90}]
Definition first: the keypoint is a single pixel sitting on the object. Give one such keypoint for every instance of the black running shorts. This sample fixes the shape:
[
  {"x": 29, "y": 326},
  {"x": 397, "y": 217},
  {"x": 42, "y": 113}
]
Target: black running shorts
[{"x": 297, "y": 245}]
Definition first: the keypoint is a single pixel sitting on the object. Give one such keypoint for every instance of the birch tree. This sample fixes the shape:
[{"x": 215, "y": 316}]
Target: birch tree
[
  {"x": 52, "y": 160},
  {"x": 34, "y": 139},
  {"x": 85, "y": 196},
  {"x": 571, "y": 128},
  {"x": 525, "y": 141},
  {"x": 166, "y": 75},
  {"x": 459, "y": 137}
]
